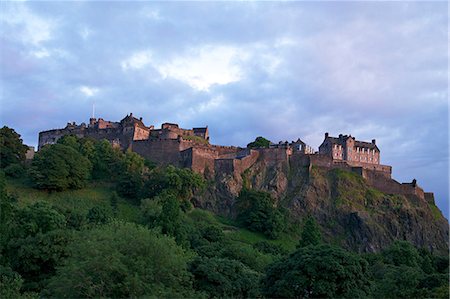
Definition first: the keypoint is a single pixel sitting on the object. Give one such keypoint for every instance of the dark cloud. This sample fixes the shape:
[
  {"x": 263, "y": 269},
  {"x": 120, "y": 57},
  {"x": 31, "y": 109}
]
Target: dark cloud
[{"x": 281, "y": 70}]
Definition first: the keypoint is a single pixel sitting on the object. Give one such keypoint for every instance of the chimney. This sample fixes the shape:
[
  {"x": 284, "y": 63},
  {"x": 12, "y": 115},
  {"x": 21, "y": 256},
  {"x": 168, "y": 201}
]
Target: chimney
[
  {"x": 326, "y": 135},
  {"x": 131, "y": 114},
  {"x": 140, "y": 118},
  {"x": 374, "y": 141},
  {"x": 340, "y": 136}
]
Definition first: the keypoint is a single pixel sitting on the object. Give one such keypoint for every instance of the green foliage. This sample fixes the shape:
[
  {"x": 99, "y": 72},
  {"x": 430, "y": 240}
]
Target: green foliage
[
  {"x": 15, "y": 170},
  {"x": 221, "y": 277},
  {"x": 257, "y": 212},
  {"x": 196, "y": 139},
  {"x": 260, "y": 142},
  {"x": 321, "y": 271},
  {"x": 402, "y": 271},
  {"x": 113, "y": 200},
  {"x": 98, "y": 215},
  {"x": 10, "y": 285},
  {"x": 12, "y": 149},
  {"x": 34, "y": 242},
  {"x": 106, "y": 161},
  {"x": 269, "y": 248},
  {"x": 402, "y": 253},
  {"x": 123, "y": 260},
  {"x": 129, "y": 185},
  {"x": 59, "y": 167},
  {"x": 311, "y": 234},
  {"x": 181, "y": 182}
]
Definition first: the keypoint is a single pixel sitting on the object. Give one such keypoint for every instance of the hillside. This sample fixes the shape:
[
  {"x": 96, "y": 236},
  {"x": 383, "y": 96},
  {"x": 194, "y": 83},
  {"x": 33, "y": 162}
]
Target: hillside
[{"x": 351, "y": 211}]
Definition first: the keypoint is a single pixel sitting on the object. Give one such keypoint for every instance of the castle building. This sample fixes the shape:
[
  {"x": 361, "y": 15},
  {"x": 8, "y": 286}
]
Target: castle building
[{"x": 346, "y": 148}]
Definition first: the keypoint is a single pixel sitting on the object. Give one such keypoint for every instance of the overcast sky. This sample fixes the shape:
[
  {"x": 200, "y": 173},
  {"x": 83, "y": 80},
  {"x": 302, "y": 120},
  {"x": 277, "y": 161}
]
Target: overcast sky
[{"x": 280, "y": 70}]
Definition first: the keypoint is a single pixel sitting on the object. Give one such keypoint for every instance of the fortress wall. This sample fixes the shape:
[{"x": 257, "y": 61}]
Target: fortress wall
[
  {"x": 226, "y": 150},
  {"x": 383, "y": 169},
  {"x": 164, "y": 151},
  {"x": 409, "y": 188},
  {"x": 202, "y": 159},
  {"x": 240, "y": 165},
  {"x": 429, "y": 197},
  {"x": 274, "y": 155},
  {"x": 224, "y": 166},
  {"x": 321, "y": 160}
]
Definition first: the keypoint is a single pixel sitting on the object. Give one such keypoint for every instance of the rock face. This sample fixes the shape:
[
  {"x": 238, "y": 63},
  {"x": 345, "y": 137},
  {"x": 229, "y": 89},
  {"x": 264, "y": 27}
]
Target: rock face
[{"x": 350, "y": 210}]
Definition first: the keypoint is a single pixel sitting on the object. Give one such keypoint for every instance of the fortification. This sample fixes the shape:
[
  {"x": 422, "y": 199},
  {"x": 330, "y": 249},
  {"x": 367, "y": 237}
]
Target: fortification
[{"x": 190, "y": 148}]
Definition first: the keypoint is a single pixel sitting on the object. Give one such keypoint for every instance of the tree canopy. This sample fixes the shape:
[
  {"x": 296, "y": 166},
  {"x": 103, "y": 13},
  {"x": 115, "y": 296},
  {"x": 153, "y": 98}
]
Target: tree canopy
[
  {"x": 12, "y": 149},
  {"x": 123, "y": 260},
  {"x": 260, "y": 142},
  {"x": 59, "y": 167}
]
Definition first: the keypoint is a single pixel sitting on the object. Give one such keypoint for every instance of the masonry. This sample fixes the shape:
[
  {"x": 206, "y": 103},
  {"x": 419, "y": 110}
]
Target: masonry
[{"x": 191, "y": 148}]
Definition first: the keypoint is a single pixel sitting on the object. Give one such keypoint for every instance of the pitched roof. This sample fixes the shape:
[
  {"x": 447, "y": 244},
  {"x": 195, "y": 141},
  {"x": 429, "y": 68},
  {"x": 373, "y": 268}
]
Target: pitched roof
[{"x": 341, "y": 141}]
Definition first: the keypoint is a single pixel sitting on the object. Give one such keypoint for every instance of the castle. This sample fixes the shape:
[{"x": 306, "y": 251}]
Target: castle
[{"x": 190, "y": 148}]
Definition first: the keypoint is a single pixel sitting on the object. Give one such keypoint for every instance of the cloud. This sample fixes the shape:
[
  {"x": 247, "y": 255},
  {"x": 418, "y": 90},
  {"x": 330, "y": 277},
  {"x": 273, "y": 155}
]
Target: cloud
[
  {"x": 137, "y": 61},
  {"x": 28, "y": 27},
  {"x": 89, "y": 91}
]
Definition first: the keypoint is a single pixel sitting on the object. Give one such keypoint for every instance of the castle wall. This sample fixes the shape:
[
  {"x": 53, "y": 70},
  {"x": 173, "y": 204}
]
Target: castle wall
[
  {"x": 163, "y": 151},
  {"x": 203, "y": 160}
]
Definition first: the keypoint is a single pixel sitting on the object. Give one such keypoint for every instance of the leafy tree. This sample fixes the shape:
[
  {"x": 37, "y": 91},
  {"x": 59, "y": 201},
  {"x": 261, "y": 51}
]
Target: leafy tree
[
  {"x": 257, "y": 212},
  {"x": 311, "y": 233},
  {"x": 123, "y": 260},
  {"x": 70, "y": 141},
  {"x": 12, "y": 149},
  {"x": 36, "y": 243},
  {"x": 221, "y": 277},
  {"x": 106, "y": 161},
  {"x": 98, "y": 215},
  {"x": 14, "y": 170},
  {"x": 130, "y": 185},
  {"x": 181, "y": 182},
  {"x": 59, "y": 167},
  {"x": 260, "y": 142},
  {"x": 321, "y": 271},
  {"x": 402, "y": 253}
]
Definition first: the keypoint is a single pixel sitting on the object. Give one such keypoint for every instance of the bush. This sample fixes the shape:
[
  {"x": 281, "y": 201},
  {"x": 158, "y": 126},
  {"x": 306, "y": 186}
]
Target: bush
[
  {"x": 321, "y": 271},
  {"x": 12, "y": 149},
  {"x": 14, "y": 170},
  {"x": 256, "y": 211},
  {"x": 123, "y": 260},
  {"x": 59, "y": 167}
]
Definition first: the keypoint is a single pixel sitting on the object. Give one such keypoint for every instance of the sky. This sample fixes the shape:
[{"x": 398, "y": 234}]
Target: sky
[{"x": 282, "y": 70}]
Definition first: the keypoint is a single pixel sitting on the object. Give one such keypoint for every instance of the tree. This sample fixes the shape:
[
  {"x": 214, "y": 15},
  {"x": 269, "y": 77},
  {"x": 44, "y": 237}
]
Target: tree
[
  {"x": 12, "y": 149},
  {"x": 59, "y": 167},
  {"x": 401, "y": 253},
  {"x": 260, "y": 142},
  {"x": 222, "y": 278},
  {"x": 36, "y": 243},
  {"x": 181, "y": 182},
  {"x": 257, "y": 212},
  {"x": 311, "y": 233},
  {"x": 123, "y": 260},
  {"x": 321, "y": 271}
]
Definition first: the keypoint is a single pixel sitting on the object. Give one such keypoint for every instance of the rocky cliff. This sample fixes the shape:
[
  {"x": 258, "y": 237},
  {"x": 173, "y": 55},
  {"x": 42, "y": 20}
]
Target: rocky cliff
[{"x": 350, "y": 210}]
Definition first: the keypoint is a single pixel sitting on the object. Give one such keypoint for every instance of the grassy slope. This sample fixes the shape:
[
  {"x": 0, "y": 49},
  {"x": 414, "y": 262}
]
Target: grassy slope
[
  {"x": 99, "y": 194},
  {"x": 95, "y": 194}
]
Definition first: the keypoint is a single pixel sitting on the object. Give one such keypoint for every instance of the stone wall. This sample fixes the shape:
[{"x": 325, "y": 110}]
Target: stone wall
[{"x": 163, "y": 151}]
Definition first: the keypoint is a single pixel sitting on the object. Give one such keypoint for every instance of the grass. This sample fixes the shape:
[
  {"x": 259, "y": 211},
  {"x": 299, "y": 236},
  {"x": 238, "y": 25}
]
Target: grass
[
  {"x": 197, "y": 139},
  {"x": 81, "y": 200},
  {"x": 435, "y": 211}
]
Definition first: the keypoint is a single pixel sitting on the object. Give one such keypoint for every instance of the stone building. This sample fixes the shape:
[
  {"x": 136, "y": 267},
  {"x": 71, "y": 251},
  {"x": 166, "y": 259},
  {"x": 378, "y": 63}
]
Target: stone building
[{"x": 346, "y": 148}]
